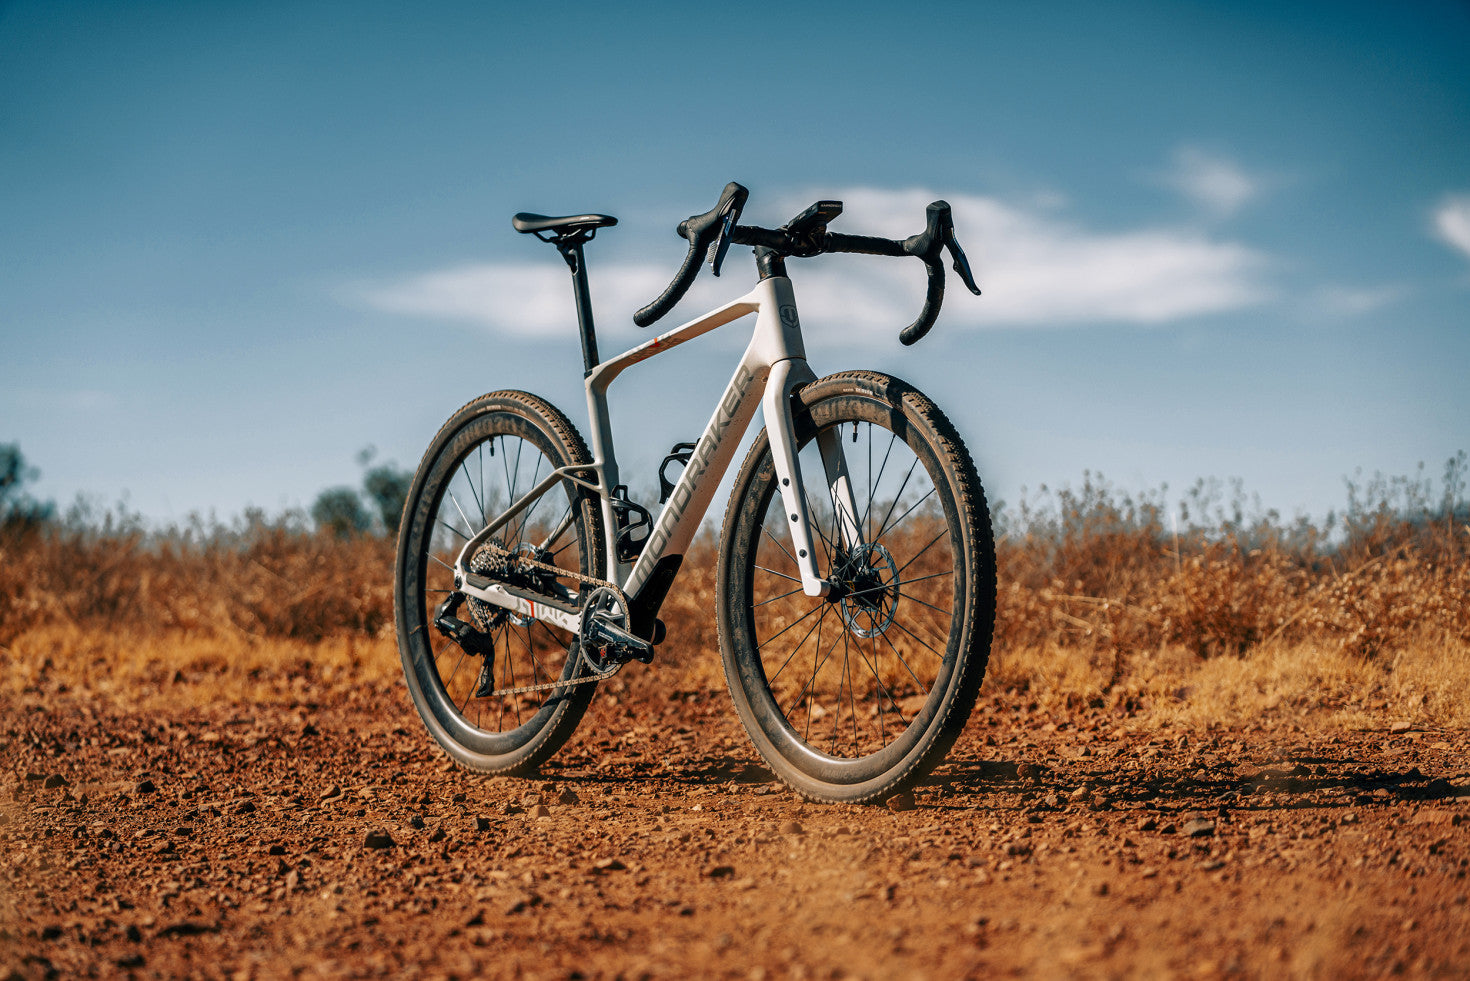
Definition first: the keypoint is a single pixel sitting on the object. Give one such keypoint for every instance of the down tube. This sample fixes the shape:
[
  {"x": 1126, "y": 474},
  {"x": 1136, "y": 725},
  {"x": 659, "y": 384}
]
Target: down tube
[{"x": 707, "y": 464}]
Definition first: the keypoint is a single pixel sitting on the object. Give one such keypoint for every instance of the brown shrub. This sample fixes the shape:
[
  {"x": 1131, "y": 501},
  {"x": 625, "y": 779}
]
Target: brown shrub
[
  {"x": 1092, "y": 570},
  {"x": 267, "y": 579}
]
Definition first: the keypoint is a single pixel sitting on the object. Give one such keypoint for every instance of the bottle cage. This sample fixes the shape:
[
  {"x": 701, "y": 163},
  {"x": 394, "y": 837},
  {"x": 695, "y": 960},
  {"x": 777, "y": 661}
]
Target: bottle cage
[{"x": 631, "y": 519}]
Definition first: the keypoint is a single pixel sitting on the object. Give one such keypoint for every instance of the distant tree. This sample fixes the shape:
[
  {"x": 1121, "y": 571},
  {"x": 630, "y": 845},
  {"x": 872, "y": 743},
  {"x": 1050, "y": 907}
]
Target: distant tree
[
  {"x": 340, "y": 511},
  {"x": 17, "y": 508},
  {"x": 346, "y": 512},
  {"x": 387, "y": 487},
  {"x": 14, "y": 472}
]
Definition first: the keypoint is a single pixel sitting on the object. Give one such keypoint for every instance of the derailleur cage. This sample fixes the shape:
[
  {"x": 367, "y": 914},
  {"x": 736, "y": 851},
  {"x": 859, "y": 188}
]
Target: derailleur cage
[{"x": 473, "y": 642}]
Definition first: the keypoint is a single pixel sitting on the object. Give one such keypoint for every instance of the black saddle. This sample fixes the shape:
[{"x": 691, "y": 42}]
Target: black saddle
[{"x": 527, "y": 222}]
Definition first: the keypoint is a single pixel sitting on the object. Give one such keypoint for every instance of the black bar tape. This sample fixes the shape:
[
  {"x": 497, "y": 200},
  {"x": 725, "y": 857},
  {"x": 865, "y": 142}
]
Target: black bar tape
[
  {"x": 701, "y": 231},
  {"x": 675, "y": 290},
  {"x": 757, "y": 236},
  {"x": 862, "y": 245},
  {"x": 933, "y": 300}
]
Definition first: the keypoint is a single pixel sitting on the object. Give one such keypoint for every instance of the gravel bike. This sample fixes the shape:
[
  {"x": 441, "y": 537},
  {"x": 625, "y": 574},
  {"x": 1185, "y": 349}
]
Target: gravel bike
[{"x": 855, "y": 585}]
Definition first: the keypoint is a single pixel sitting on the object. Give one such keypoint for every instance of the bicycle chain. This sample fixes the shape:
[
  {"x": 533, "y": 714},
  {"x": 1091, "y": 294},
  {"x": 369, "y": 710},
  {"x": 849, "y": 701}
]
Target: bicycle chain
[
  {"x": 498, "y": 553},
  {"x": 549, "y": 685}
]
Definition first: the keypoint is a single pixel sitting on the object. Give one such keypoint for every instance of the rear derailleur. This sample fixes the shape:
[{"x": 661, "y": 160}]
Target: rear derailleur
[{"x": 473, "y": 642}]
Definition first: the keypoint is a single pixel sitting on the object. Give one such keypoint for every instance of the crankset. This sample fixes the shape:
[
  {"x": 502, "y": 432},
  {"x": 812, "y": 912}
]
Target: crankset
[{"x": 606, "y": 642}]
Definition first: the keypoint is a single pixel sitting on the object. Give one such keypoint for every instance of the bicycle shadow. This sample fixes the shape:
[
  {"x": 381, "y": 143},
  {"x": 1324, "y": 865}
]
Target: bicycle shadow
[
  {"x": 1314, "y": 783},
  {"x": 998, "y": 785}
]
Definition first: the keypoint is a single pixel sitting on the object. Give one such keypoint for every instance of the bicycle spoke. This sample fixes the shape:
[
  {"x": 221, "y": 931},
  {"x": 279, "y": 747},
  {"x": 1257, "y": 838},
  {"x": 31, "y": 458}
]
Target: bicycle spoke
[
  {"x": 900, "y": 625},
  {"x": 556, "y": 644},
  {"x": 462, "y": 656},
  {"x": 530, "y": 654},
  {"x": 886, "y": 527},
  {"x": 800, "y": 644},
  {"x": 923, "y": 688},
  {"x": 901, "y": 582},
  {"x": 883, "y": 689},
  {"x": 841, "y": 636},
  {"x": 484, "y": 487},
  {"x": 516, "y": 481},
  {"x": 562, "y": 525},
  {"x": 510, "y": 484},
  {"x": 767, "y": 532},
  {"x": 875, "y": 666},
  {"x": 515, "y": 701},
  {"x": 460, "y": 509},
  {"x": 936, "y": 609},
  {"x": 878, "y": 480},
  {"x": 921, "y": 551},
  {"x": 827, "y": 542},
  {"x": 868, "y": 505},
  {"x": 471, "y": 484},
  {"x": 526, "y": 517},
  {"x": 883, "y": 525},
  {"x": 789, "y": 592},
  {"x": 453, "y": 530},
  {"x": 816, "y": 669}
]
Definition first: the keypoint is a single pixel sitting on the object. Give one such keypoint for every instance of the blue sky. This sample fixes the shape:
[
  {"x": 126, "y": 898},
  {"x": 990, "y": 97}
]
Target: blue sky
[{"x": 241, "y": 242}]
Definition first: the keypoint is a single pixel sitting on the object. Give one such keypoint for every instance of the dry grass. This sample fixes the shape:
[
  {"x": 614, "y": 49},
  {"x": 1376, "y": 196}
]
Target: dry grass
[
  {"x": 261, "y": 579},
  {"x": 1360, "y": 623}
]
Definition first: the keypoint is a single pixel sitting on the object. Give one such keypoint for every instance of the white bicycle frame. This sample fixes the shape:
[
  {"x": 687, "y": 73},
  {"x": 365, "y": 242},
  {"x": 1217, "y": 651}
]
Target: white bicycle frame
[{"x": 773, "y": 367}]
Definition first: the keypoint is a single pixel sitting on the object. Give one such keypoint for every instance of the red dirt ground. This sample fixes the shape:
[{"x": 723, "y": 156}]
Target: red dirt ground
[{"x": 238, "y": 841}]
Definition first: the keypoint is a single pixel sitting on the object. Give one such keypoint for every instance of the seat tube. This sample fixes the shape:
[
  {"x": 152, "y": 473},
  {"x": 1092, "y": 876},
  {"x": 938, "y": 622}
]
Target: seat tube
[
  {"x": 571, "y": 251},
  {"x": 605, "y": 465}
]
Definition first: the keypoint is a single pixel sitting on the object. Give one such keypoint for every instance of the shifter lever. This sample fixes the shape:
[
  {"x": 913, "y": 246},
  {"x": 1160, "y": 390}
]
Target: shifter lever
[
  {"x": 721, "y": 244},
  {"x": 961, "y": 264}
]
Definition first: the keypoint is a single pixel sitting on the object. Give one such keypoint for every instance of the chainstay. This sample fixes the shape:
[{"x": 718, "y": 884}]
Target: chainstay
[{"x": 504, "y": 554}]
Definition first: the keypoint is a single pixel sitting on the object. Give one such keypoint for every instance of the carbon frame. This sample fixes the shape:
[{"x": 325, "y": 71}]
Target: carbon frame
[{"x": 772, "y": 368}]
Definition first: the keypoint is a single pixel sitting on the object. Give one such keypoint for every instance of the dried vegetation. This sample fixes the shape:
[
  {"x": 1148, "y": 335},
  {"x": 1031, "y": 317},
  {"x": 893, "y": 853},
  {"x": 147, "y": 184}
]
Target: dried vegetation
[{"x": 1205, "y": 609}]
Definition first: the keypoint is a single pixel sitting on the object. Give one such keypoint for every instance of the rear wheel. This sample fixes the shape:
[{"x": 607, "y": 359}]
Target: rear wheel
[
  {"x": 857, "y": 696},
  {"x": 487, "y": 455}
]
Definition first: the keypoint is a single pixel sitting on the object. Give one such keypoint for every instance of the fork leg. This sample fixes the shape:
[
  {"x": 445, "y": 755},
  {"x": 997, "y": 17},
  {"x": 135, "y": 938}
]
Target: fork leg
[
  {"x": 844, "y": 505},
  {"x": 786, "y": 376}
]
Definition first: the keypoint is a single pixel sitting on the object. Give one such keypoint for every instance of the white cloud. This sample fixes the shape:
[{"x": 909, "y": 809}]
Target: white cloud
[
  {"x": 1216, "y": 184},
  {"x": 1352, "y": 301},
  {"x": 1452, "y": 222},
  {"x": 530, "y": 299},
  {"x": 1037, "y": 270},
  {"x": 89, "y": 401}
]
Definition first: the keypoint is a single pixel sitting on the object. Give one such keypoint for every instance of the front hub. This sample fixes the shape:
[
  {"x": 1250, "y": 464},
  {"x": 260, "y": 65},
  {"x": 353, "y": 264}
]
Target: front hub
[{"x": 869, "y": 579}]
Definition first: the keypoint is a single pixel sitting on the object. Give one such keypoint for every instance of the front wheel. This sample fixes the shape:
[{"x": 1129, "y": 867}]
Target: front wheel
[{"x": 856, "y": 696}]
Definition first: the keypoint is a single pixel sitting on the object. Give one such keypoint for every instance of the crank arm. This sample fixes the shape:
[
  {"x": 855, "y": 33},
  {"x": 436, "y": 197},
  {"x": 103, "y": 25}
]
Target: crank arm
[{"x": 610, "y": 634}]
